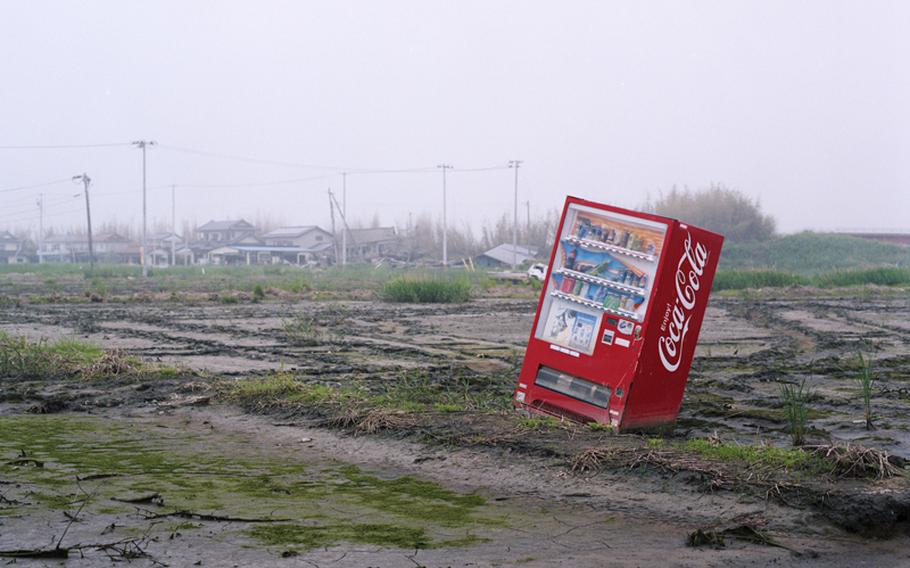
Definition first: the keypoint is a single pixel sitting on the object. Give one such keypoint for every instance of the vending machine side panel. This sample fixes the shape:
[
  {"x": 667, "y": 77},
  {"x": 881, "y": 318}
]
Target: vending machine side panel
[{"x": 684, "y": 284}]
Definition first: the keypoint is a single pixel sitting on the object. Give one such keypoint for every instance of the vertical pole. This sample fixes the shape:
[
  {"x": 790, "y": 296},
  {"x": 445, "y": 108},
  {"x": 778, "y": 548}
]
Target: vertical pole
[
  {"x": 41, "y": 228},
  {"x": 88, "y": 217},
  {"x": 332, "y": 211},
  {"x": 515, "y": 164},
  {"x": 445, "y": 228},
  {"x": 344, "y": 215},
  {"x": 173, "y": 225},
  {"x": 528, "y": 225},
  {"x": 141, "y": 144},
  {"x": 143, "y": 251}
]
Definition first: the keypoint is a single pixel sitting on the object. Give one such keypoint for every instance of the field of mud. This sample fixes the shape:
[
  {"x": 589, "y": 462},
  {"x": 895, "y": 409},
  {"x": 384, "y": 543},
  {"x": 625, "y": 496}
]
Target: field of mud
[{"x": 474, "y": 485}]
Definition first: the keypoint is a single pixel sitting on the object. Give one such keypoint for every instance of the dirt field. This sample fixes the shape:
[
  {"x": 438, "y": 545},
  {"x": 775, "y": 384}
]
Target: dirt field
[{"x": 472, "y": 488}]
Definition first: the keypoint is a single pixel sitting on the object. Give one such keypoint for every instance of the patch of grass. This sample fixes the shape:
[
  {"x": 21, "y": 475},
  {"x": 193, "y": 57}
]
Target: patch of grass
[
  {"x": 786, "y": 458},
  {"x": 539, "y": 422},
  {"x": 427, "y": 290},
  {"x": 809, "y": 253},
  {"x": 882, "y": 276},
  {"x": 300, "y": 330}
]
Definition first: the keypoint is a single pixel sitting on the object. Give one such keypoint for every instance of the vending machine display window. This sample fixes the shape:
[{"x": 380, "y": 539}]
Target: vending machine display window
[{"x": 605, "y": 263}]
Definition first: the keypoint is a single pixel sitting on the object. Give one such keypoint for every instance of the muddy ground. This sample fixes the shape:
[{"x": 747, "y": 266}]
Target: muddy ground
[{"x": 531, "y": 509}]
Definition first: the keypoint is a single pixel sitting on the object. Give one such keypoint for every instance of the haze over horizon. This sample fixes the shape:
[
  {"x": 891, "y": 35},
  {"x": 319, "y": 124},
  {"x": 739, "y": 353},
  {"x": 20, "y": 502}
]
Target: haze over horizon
[{"x": 802, "y": 106}]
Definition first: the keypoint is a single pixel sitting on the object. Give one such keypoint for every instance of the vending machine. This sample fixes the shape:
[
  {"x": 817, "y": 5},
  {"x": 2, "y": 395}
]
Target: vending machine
[{"x": 618, "y": 317}]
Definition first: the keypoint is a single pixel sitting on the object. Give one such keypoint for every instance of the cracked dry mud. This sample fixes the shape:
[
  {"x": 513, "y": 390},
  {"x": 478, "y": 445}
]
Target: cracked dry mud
[{"x": 531, "y": 511}]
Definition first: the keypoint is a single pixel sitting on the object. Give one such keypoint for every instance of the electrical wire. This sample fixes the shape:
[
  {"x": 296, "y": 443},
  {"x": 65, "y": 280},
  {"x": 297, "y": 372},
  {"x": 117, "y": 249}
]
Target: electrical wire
[
  {"x": 62, "y": 146},
  {"x": 45, "y": 184},
  {"x": 247, "y": 159}
]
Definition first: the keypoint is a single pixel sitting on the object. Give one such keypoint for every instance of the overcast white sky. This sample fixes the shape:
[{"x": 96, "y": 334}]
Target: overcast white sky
[{"x": 805, "y": 105}]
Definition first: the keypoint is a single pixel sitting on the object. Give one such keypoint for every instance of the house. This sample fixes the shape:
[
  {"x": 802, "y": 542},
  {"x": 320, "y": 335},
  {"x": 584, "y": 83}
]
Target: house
[
  {"x": 504, "y": 255},
  {"x": 108, "y": 247},
  {"x": 269, "y": 254},
  {"x": 10, "y": 248},
  {"x": 230, "y": 231},
  {"x": 364, "y": 245},
  {"x": 163, "y": 246},
  {"x": 308, "y": 236}
]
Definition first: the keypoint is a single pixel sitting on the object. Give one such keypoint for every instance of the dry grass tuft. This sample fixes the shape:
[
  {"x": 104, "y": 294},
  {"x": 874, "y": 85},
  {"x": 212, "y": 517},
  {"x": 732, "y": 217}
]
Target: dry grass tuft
[
  {"x": 591, "y": 460},
  {"x": 113, "y": 363},
  {"x": 857, "y": 461}
]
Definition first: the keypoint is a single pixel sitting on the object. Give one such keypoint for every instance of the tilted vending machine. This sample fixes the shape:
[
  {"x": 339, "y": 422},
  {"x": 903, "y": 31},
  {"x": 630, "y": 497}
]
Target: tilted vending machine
[{"x": 618, "y": 317}]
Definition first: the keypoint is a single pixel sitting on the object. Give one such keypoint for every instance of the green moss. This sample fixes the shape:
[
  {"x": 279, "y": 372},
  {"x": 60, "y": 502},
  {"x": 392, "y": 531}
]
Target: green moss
[
  {"x": 318, "y": 536},
  {"x": 319, "y": 500}
]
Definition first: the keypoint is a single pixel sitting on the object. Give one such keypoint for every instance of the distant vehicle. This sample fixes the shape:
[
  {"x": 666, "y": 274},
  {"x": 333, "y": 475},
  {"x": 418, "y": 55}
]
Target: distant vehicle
[{"x": 537, "y": 271}]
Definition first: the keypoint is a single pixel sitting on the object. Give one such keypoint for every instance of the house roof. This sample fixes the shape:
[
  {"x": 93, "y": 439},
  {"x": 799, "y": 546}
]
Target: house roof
[
  {"x": 7, "y": 236},
  {"x": 164, "y": 236},
  {"x": 374, "y": 235},
  {"x": 109, "y": 237},
  {"x": 67, "y": 238},
  {"x": 226, "y": 225},
  {"x": 229, "y": 249},
  {"x": 290, "y": 232},
  {"x": 506, "y": 253}
]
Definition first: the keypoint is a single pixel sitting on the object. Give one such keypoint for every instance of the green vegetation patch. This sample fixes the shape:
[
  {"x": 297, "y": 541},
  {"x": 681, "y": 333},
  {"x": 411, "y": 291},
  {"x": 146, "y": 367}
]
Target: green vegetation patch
[
  {"x": 770, "y": 456},
  {"x": 427, "y": 290},
  {"x": 319, "y": 536},
  {"x": 122, "y": 466},
  {"x": 809, "y": 253}
]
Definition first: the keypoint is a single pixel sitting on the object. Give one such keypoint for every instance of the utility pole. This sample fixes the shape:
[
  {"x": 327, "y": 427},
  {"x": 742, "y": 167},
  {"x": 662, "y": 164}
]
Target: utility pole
[
  {"x": 515, "y": 164},
  {"x": 445, "y": 229},
  {"x": 142, "y": 144},
  {"x": 344, "y": 215},
  {"x": 528, "y": 226},
  {"x": 41, "y": 228},
  {"x": 173, "y": 225},
  {"x": 88, "y": 217},
  {"x": 332, "y": 211}
]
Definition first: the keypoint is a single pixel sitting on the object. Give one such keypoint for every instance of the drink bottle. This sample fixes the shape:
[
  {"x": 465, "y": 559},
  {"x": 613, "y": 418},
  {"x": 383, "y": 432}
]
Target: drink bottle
[{"x": 570, "y": 259}]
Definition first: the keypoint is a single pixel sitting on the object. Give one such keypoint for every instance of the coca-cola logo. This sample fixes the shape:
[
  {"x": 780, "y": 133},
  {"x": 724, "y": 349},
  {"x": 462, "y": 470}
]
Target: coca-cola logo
[{"x": 689, "y": 270}]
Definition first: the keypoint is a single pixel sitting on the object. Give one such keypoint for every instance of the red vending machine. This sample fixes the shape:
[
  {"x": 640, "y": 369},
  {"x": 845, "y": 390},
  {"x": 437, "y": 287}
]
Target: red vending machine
[{"x": 618, "y": 317}]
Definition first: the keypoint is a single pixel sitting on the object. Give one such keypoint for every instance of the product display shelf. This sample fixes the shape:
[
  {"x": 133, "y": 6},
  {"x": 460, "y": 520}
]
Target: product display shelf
[
  {"x": 609, "y": 247},
  {"x": 601, "y": 281},
  {"x": 595, "y": 305}
]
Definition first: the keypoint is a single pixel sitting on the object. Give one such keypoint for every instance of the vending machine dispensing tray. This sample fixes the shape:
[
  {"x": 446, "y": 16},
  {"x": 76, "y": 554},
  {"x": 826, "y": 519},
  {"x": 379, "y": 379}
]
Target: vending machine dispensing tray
[{"x": 618, "y": 317}]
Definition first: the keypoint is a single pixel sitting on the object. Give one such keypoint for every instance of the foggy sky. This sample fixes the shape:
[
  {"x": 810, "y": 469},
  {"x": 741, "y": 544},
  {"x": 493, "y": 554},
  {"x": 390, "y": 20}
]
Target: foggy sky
[{"x": 801, "y": 104}]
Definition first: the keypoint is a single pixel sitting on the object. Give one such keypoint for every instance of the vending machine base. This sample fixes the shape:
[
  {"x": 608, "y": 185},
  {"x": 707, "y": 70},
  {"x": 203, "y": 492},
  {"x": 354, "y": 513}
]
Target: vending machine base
[{"x": 618, "y": 317}]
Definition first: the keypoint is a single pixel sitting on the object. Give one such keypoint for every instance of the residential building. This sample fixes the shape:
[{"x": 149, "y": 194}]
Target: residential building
[
  {"x": 10, "y": 248},
  {"x": 364, "y": 245},
  {"x": 504, "y": 255},
  {"x": 227, "y": 232},
  {"x": 163, "y": 246},
  {"x": 108, "y": 247},
  {"x": 308, "y": 236}
]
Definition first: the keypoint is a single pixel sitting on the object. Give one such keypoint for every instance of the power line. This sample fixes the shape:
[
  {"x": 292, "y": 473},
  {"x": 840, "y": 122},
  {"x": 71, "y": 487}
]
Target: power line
[
  {"x": 45, "y": 184},
  {"x": 247, "y": 159},
  {"x": 63, "y": 146}
]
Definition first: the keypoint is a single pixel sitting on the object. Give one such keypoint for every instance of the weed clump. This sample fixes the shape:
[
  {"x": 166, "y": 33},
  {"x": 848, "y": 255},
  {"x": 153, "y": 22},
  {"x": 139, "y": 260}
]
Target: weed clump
[
  {"x": 866, "y": 383},
  {"x": 426, "y": 290},
  {"x": 795, "y": 400}
]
